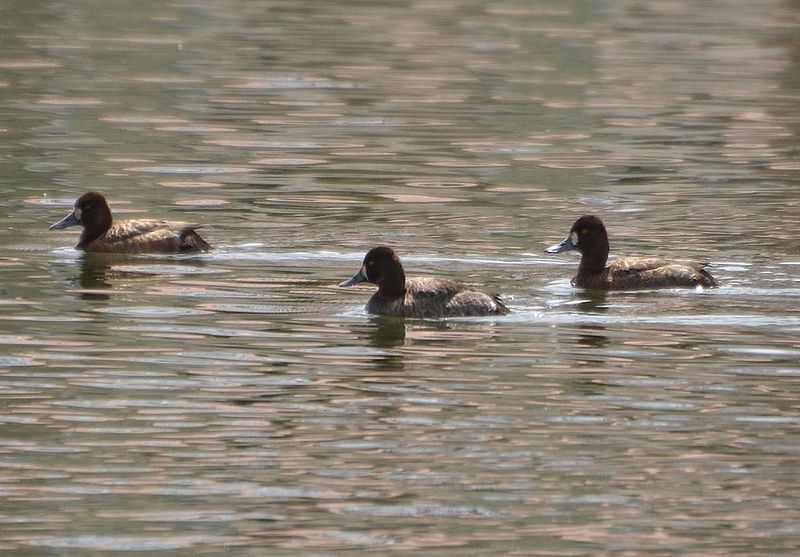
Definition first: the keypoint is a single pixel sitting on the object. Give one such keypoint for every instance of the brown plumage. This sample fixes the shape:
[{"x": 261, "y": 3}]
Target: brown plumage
[
  {"x": 588, "y": 235},
  {"x": 101, "y": 234},
  {"x": 418, "y": 297}
]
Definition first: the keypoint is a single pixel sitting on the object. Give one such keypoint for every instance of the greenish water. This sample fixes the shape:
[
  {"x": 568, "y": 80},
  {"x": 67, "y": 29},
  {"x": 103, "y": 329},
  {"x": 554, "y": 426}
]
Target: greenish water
[{"x": 239, "y": 403}]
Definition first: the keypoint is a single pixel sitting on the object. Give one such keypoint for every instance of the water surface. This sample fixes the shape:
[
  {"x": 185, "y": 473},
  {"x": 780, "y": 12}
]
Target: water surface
[{"x": 238, "y": 402}]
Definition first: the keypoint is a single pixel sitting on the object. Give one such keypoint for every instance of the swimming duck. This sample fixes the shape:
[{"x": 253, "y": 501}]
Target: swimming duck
[
  {"x": 588, "y": 235},
  {"x": 418, "y": 297},
  {"x": 100, "y": 234}
]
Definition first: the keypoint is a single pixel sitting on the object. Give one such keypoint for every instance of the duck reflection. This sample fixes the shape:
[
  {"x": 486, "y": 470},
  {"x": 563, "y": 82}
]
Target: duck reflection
[
  {"x": 93, "y": 280},
  {"x": 386, "y": 331},
  {"x": 591, "y": 335},
  {"x": 99, "y": 271},
  {"x": 395, "y": 338},
  {"x": 589, "y": 350},
  {"x": 594, "y": 301}
]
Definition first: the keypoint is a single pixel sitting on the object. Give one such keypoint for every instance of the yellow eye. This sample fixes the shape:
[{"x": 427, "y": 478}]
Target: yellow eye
[
  {"x": 584, "y": 232},
  {"x": 370, "y": 263}
]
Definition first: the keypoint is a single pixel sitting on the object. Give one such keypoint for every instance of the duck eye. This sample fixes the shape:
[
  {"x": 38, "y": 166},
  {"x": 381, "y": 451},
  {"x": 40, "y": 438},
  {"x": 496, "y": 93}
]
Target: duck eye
[
  {"x": 370, "y": 263},
  {"x": 584, "y": 232}
]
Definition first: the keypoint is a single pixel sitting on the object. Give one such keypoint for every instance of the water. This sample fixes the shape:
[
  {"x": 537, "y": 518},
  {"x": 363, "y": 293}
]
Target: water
[{"x": 239, "y": 403}]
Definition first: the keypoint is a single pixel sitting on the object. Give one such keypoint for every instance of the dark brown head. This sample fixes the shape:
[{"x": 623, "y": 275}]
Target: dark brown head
[
  {"x": 382, "y": 267},
  {"x": 90, "y": 211},
  {"x": 588, "y": 235}
]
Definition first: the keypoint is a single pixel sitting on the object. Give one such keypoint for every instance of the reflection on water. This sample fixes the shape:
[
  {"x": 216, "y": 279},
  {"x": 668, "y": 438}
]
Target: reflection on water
[
  {"x": 239, "y": 402},
  {"x": 386, "y": 331},
  {"x": 94, "y": 276}
]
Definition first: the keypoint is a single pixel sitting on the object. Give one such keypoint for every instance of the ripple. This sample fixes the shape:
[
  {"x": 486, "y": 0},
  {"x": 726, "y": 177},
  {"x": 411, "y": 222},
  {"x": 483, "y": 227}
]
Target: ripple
[
  {"x": 150, "y": 311},
  {"x": 282, "y": 145},
  {"x": 28, "y": 64},
  {"x": 12, "y": 361},
  {"x": 293, "y": 82},
  {"x": 195, "y": 128},
  {"x": 286, "y": 161},
  {"x": 163, "y": 542},
  {"x": 138, "y": 119},
  {"x": 169, "y": 79},
  {"x": 208, "y": 202},
  {"x": 195, "y": 184},
  {"x": 790, "y": 166},
  {"x": 502, "y": 148},
  {"x": 191, "y": 169},
  {"x": 205, "y": 515},
  {"x": 766, "y": 371},
  {"x": 657, "y": 405},
  {"x": 50, "y": 201},
  {"x": 258, "y": 309},
  {"x": 122, "y": 403},
  {"x": 416, "y": 198},
  {"x": 239, "y": 253},
  {"x": 239, "y": 357},
  {"x": 149, "y": 269},
  {"x": 456, "y": 163},
  {"x": 766, "y": 351},
  {"x": 129, "y": 383},
  {"x": 566, "y": 164},
  {"x": 70, "y": 101},
  {"x": 311, "y": 200},
  {"x": 441, "y": 184},
  {"x": 417, "y": 510},
  {"x": 776, "y": 420},
  {"x": 582, "y": 420}
]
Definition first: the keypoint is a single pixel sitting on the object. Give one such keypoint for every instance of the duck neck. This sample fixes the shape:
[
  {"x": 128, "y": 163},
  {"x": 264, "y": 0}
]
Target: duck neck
[
  {"x": 94, "y": 230},
  {"x": 594, "y": 260},
  {"x": 393, "y": 286}
]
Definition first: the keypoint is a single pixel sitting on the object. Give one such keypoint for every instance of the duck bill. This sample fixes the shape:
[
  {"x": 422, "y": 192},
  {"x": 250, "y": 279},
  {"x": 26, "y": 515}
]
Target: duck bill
[
  {"x": 69, "y": 220},
  {"x": 358, "y": 278},
  {"x": 566, "y": 245}
]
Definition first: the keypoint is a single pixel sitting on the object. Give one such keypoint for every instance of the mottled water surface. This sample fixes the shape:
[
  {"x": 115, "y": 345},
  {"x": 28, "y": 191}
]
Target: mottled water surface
[{"x": 239, "y": 403}]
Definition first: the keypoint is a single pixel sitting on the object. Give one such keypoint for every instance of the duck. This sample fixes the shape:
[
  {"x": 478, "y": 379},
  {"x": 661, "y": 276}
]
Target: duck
[
  {"x": 588, "y": 235},
  {"x": 420, "y": 296},
  {"x": 101, "y": 234}
]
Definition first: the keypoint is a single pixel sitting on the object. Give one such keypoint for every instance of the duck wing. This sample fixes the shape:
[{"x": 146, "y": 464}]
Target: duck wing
[
  {"x": 635, "y": 265},
  {"x": 131, "y": 229},
  {"x": 439, "y": 297},
  {"x": 657, "y": 272},
  {"x": 149, "y": 236}
]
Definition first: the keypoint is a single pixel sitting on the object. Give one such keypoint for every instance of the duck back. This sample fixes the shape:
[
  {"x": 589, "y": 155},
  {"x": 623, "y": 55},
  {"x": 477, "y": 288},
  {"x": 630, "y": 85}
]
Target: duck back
[
  {"x": 147, "y": 236},
  {"x": 436, "y": 297},
  {"x": 642, "y": 273},
  {"x": 190, "y": 240}
]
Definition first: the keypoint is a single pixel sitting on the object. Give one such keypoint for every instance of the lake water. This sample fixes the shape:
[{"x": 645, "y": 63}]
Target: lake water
[{"x": 239, "y": 403}]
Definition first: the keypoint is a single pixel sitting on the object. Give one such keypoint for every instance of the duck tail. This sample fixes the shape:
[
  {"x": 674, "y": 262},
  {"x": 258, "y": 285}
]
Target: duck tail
[
  {"x": 706, "y": 278},
  {"x": 190, "y": 240},
  {"x": 502, "y": 309}
]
